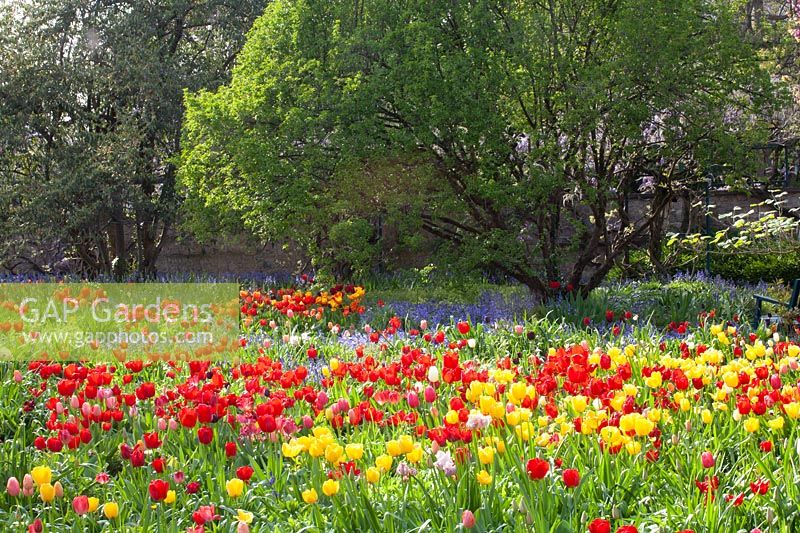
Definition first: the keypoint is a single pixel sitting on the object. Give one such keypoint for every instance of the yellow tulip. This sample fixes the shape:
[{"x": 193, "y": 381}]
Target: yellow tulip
[
  {"x": 685, "y": 404},
  {"x": 731, "y": 379},
  {"x": 234, "y": 487},
  {"x": 330, "y": 487},
  {"x": 333, "y": 452},
  {"x": 792, "y": 409},
  {"x": 47, "y": 492},
  {"x": 310, "y": 496},
  {"x": 751, "y": 425},
  {"x": 384, "y": 462},
  {"x": 486, "y": 455},
  {"x": 170, "y": 497},
  {"x": 406, "y": 443},
  {"x": 706, "y": 416},
  {"x": 517, "y": 392},
  {"x": 633, "y": 447},
  {"x": 111, "y": 510},
  {"x": 41, "y": 475},
  {"x": 354, "y": 451},
  {"x": 291, "y": 450},
  {"x": 484, "y": 477},
  {"x": 393, "y": 448},
  {"x": 244, "y": 516},
  {"x": 643, "y": 426},
  {"x": 373, "y": 474},
  {"x": 316, "y": 448},
  {"x": 776, "y": 424},
  {"x": 94, "y": 503},
  {"x": 415, "y": 455},
  {"x": 654, "y": 381},
  {"x": 579, "y": 403}
]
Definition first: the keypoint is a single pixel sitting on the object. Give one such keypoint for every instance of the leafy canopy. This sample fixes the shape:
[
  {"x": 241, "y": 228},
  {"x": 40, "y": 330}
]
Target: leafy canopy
[{"x": 512, "y": 130}]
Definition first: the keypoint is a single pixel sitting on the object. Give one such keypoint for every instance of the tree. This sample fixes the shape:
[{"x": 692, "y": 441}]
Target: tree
[
  {"x": 90, "y": 119},
  {"x": 528, "y": 122}
]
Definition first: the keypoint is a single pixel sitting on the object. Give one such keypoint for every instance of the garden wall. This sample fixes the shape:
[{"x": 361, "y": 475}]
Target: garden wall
[{"x": 241, "y": 255}]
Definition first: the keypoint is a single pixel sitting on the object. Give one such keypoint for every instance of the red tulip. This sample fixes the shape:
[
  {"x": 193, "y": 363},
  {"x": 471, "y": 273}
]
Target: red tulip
[
  {"x": 463, "y": 327},
  {"x": 205, "y": 435},
  {"x": 151, "y": 440},
  {"x": 707, "y": 458},
  {"x": 267, "y": 423},
  {"x": 571, "y": 477},
  {"x": 80, "y": 504},
  {"x": 54, "y": 444},
  {"x": 230, "y": 449},
  {"x": 187, "y": 417},
  {"x": 537, "y": 468},
  {"x": 159, "y": 464},
  {"x": 158, "y": 489},
  {"x": 137, "y": 457},
  {"x": 244, "y": 472},
  {"x": 600, "y": 525}
]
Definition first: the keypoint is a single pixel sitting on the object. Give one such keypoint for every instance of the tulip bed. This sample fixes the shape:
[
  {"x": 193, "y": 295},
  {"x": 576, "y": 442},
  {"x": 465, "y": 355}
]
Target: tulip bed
[{"x": 325, "y": 423}]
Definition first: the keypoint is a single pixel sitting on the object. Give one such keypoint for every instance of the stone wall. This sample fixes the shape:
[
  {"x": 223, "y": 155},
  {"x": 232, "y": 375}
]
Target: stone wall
[{"x": 242, "y": 255}]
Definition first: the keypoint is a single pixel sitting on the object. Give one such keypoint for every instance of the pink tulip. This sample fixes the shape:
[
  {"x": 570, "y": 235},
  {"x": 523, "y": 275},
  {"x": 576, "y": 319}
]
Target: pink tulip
[
  {"x": 59, "y": 489},
  {"x": 775, "y": 381},
  {"x": 430, "y": 394},
  {"x": 518, "y": 329},
  {"x": 412, "y": 399},
  {"x": 12, "y": 487},
  {"x": 173, "y": 424},
  {"x": 80, "y": 504},
  {"x": 27, "y": 485},
  {"x": 17, "y": 376},
  {"x": 468, "y": 519},
  {"x": 308, "y": 422},
  {"x": 707, "y": 458},
  {"x": 242, "y": 528}
]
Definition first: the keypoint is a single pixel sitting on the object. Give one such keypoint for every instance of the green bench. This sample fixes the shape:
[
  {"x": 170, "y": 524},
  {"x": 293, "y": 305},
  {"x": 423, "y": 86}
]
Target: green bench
[{"x": 791, "y": 304}]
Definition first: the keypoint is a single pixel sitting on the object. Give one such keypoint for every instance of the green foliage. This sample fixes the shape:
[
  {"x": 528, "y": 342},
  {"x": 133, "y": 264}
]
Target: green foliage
[
  {"x": 748, "y": 248},
  {"x": 505, "y": 129},
  {"x": 351, "y": 244},
  {"x": 90, "y": 120}
]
